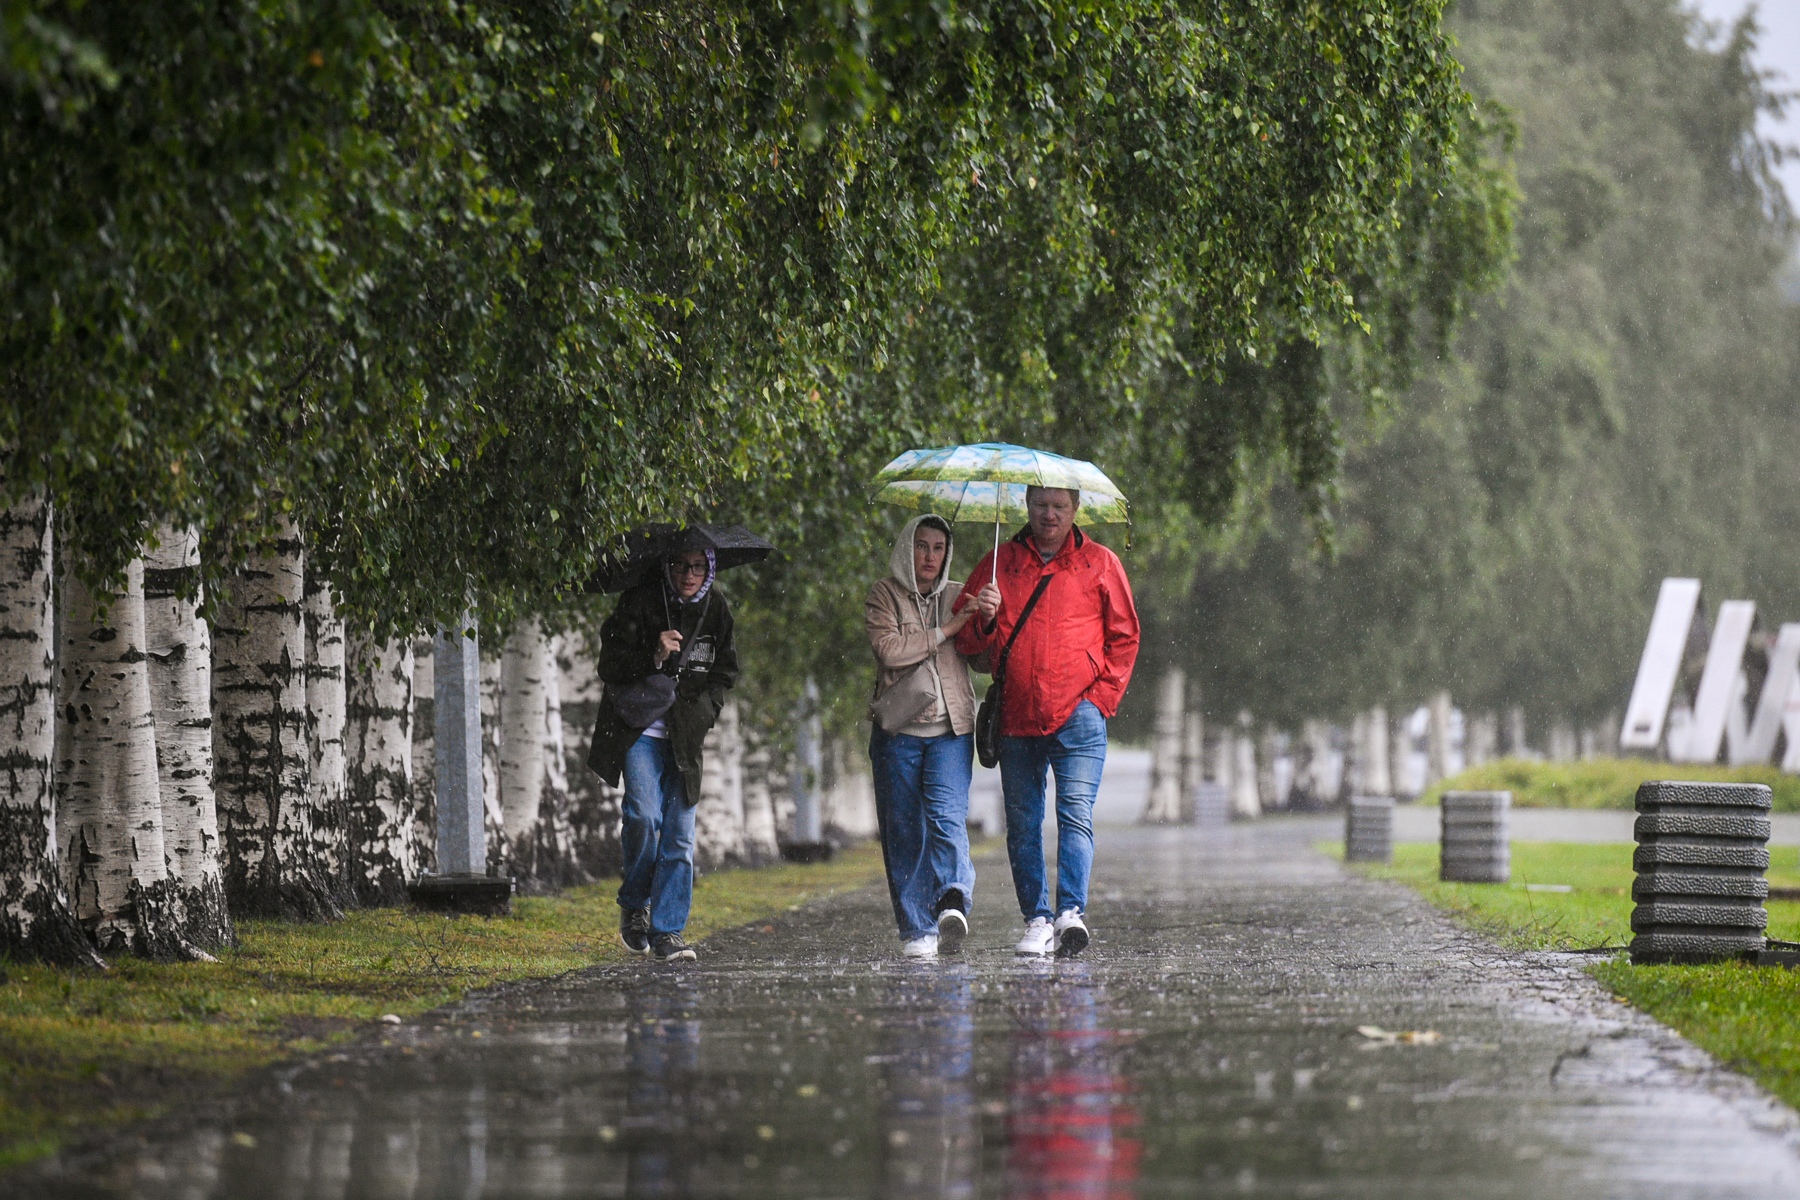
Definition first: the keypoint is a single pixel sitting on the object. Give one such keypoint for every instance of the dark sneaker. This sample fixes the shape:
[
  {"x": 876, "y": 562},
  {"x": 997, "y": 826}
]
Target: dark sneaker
[
  {"x": 634, "y": 929},
  {"x": 668, "y": 947}
]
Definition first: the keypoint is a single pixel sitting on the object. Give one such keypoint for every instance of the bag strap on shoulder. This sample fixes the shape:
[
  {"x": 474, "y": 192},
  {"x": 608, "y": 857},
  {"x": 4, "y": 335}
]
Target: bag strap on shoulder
[{"x": 1025, "y": 615}]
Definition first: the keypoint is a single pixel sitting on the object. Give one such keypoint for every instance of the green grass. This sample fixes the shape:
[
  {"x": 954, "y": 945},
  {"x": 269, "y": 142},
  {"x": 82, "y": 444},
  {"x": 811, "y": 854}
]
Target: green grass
[
  {"x": 1746, "y": 1017},
  {"x": 87, "y": 1050},
  {"x": 1602, "y": 782}
]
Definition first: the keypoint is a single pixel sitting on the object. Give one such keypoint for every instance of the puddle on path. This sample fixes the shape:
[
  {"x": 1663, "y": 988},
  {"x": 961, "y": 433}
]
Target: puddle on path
[{"x": 1206, "y": 1046}]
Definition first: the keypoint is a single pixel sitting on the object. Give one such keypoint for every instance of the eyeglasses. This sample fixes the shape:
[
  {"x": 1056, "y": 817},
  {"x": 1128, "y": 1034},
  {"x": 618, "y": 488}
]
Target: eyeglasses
[{"x": 687, "y": 568}]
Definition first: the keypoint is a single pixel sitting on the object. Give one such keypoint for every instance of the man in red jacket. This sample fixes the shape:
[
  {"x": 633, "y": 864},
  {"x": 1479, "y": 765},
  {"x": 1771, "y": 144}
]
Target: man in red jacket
[{"x": 1065, "y": 676}]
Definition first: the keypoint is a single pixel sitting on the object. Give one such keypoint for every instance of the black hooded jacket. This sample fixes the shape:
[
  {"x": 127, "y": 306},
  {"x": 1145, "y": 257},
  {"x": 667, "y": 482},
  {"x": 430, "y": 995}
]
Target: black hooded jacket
[{"x": 628, "y": 644}]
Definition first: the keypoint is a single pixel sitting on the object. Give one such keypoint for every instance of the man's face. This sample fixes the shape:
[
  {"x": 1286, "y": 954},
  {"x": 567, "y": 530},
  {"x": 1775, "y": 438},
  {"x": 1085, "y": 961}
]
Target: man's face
[
  {"x": 687, "y": 573},
  {"x": 1052, "y": 515}
]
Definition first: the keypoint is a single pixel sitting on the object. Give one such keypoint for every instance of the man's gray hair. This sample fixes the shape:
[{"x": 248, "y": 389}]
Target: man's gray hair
[{"x": 1073, "y": 493}]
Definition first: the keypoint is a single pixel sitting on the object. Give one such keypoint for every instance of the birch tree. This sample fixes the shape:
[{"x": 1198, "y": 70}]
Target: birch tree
[
  {"x": 593, "y": 807},
  {"x": 719, "y": 812},
  {"x": 524, "y": 661},
  {"x": 378, "y": 743},
  {"x": 325, "y": 712},
  {"x": 179, "y": 646},
  {"x": 261, "y": 754},
  {"x": 424, "y": 757},
  {"x": 109, "y": 801},
  {"x": 499, "y": 848},
  {"x": 35, "y": 921}
]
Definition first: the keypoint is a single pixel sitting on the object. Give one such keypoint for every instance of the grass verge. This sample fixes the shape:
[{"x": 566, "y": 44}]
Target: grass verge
[
  {"x": 1746, "y": 1017},
  {"x": 87, "y": 1050},
  {"x": 1603, "y": 782}
]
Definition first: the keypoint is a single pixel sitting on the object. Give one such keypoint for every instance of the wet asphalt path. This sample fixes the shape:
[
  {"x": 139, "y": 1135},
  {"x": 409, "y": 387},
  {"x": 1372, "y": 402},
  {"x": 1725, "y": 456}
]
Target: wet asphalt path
[{"x": 1205, "y": 1046}]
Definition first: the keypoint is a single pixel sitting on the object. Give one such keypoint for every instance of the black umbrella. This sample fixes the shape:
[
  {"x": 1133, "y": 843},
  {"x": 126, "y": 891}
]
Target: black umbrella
[{"x": 645, "y": 549}]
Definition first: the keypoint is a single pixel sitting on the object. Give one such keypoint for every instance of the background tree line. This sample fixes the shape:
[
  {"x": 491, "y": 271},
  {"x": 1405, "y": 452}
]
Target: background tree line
[{"x": 1622, "y": 408}]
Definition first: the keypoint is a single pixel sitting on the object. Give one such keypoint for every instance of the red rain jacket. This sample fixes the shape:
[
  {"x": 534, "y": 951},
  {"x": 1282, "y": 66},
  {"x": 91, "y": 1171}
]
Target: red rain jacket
[{"x": 1080, "y": 643}]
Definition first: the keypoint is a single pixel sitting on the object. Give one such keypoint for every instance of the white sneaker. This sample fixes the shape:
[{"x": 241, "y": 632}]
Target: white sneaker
[
  {"x": 1071, "y": 933},
  {"x": 923, "y": 946},
  {"x": 953, "y": 927},
  {"x": 1039, "y": 937}
]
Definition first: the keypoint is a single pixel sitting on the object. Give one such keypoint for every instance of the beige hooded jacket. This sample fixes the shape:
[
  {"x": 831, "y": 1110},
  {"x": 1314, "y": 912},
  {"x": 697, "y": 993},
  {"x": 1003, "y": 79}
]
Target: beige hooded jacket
[{"x": 904, "y": 630}]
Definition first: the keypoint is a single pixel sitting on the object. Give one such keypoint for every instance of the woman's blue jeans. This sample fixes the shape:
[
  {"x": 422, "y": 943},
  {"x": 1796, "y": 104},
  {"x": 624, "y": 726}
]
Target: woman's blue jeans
[
  {"x": 922, "y": 806},
  {"x": 1077, "y": 753},
  {"x": 658, "y": 837}
]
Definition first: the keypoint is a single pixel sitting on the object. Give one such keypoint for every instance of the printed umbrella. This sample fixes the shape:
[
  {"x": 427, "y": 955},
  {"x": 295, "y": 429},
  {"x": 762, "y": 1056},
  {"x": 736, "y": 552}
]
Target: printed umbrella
[
  {"x": 987, "y": 481},
  {"x": 732, "y": 546}
]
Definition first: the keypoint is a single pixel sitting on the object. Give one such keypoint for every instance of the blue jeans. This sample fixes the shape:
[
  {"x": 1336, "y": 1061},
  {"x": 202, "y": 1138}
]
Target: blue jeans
[
  {"x": 922, "y": 807},
  {"x": 657, "y": 837},
  {"x": 1077, "y": 752}
]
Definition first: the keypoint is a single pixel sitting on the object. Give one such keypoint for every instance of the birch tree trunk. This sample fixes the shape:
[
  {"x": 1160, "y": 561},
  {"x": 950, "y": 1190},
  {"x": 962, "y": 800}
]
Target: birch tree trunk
[
  {"x": 556, "y": 844},
  {"x": 719, "y": 816},
  {"x": 379, "y": 748},
  {"x": 261, "y": 754},
  {"x": 109, "y": 800},
  {"x": 424, "y": 757},
  {"x": 179, "y": 646},
  {"x": 1163, "y": 805},
  {"x": 524, "y": 661},
  {"x": 594, "y": 807},
  {"x": 327, "y": 773},
  {"x": 499, "y": 848},
  {"x": 35, "y": 921},
  {"x": 761, "y": 838}
]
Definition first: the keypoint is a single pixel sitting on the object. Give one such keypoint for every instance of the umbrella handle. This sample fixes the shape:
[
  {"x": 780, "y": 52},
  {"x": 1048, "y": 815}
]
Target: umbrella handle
[{"x": 996, "y": 557}]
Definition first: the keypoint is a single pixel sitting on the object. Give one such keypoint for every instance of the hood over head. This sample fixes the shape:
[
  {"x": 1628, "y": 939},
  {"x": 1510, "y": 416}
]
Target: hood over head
[
  {"x": 900, "y": 562},
  {"x": 712, "y": 573}
]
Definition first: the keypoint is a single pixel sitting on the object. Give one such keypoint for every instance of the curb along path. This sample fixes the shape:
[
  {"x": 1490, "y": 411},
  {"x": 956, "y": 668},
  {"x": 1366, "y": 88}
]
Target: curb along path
[{"x": 1207, "y": 1044}]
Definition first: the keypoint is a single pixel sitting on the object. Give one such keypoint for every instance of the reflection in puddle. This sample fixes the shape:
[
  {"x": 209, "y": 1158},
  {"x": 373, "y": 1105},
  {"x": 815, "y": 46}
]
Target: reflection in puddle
[
  {"x": 662, "y": 1075},
  {"x": 928, "y": 1121},
  {"x": 1070, "y": 1123}
]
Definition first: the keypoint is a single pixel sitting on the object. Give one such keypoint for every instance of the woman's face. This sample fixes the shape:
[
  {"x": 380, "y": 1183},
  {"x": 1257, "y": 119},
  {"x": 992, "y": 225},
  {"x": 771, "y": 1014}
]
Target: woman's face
[
  {"x": 929, "y": 548},
  {"x": 687, "y": 573}
]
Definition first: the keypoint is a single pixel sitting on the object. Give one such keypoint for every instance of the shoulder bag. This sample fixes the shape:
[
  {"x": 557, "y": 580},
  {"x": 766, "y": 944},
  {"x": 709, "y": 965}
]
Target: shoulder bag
[
  {"x": 644, "y": 703},
  {"x": 987, "y": 721}
]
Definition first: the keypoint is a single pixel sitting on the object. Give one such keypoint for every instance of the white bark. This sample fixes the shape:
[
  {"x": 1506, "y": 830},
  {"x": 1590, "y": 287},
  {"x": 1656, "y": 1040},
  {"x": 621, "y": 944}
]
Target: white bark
[
  {"x": 327, "y": 774},
  {"x": 1378, "y": 776},
  {"x": 1246, "y": 799},
  {"x": 108, "y": 796},
  {"x": 378, "y": 747},
  {"x": 719, "y": 815},
  {"x": 424, "y": 758},
  {"x": 261, "y": 754},
  {"x": 180, "y": 648},
  {"x": 499, "y": 848},
  {"x": 524, "y": 662},
  {"x": 557, "y": 844},
  {"x": 761, "y": 841},
  {"x": 849, "y": 801},
  {"x": 593, "y": 807},
  {"x": 1437, "y": 740},
  {"x": 35, "y": 921},
  {"x": 1163, "y": 805},
  {"x": 1193, "y": 761}
]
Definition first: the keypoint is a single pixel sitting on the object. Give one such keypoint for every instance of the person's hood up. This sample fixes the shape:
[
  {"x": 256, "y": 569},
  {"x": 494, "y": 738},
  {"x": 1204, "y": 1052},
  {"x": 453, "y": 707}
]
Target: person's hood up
[
  {"x": 712, "y": 573},
  {"x": 900, "y": 562}
]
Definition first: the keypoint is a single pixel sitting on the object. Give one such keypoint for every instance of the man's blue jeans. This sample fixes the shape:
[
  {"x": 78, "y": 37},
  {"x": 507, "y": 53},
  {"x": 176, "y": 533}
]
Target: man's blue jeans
[
  {"x": 657, "y": 837},
  {"x": 1077, "y": 753},
  {"x": 922, "y": 806}
]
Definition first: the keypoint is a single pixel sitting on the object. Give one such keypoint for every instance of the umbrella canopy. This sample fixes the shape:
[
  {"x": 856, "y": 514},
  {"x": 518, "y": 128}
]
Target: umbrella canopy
[
  {"x": 987, "y": 481},
  {"x": 644, "y": 548}
]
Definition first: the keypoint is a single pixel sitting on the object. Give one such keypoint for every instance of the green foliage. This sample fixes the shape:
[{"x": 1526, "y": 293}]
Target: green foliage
[
  {"x": 476, "y": 286},
  {"x": 92, "y": 1050},
  {"x": 1603, "y": 782},
  {"x": 1617, "y": 412}
]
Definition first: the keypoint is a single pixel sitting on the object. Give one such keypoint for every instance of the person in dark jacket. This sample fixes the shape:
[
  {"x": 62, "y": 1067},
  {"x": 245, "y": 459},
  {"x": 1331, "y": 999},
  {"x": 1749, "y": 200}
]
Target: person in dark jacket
[{"x": 667, "y": 660}]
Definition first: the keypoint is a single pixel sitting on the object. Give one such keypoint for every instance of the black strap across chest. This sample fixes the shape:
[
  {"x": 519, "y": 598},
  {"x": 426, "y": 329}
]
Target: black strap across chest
[{"x": 1025, "y": 615}]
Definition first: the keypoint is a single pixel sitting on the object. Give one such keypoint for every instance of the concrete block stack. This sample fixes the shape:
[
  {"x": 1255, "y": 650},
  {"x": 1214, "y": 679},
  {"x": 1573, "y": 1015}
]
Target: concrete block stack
[
  {"x": 1702, "y": 854},
  {"x": 1476, "y": 845},
  {"x": 1369, "y": 829}
]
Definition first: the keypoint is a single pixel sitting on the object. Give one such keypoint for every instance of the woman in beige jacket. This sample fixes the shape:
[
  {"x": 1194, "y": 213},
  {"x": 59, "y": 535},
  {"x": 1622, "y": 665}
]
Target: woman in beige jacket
[{"x": 922, "y": 744}]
